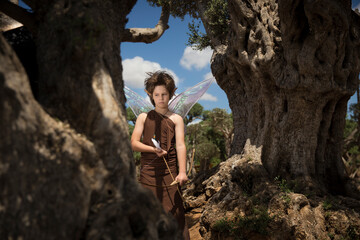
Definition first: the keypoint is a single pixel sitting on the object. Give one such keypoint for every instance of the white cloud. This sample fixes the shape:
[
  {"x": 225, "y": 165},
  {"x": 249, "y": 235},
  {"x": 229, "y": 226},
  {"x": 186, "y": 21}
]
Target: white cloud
[
  {"x": 208, "y": 97},
  {"x": 208, "y": 75},
  {"x": 196, "y": 121},
  {"x": 135, "y": 69},
  {"x": 357, "y": 6},
  {"x": 194, "y": 58}
]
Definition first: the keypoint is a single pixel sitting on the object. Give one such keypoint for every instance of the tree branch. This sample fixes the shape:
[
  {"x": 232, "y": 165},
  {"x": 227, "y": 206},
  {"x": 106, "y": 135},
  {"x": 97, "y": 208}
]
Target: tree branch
[
  {"x": 149, "y": 35},
  {"x": 19, "y": 14},
  {"x": 201, "y": 6}
]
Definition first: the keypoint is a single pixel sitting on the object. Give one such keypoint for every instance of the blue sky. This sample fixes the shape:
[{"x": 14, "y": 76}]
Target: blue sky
[{"x": 171, "y": 53}]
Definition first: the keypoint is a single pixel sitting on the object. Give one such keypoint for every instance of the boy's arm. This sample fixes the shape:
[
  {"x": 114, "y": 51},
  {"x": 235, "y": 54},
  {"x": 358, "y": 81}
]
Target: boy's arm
[
  {"x": 136, "y": 144},
  {"x": 181, "y": 150}
]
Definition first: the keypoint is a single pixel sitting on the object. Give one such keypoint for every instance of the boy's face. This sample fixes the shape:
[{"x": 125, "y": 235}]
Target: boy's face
[{"x": 161, "y": 96}]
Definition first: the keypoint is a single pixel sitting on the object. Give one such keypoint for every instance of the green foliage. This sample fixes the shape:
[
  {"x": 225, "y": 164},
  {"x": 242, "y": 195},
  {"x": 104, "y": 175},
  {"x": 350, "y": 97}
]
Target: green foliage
[
  {"x": 223, "y": 225},
  {"x": 220, "y": 124},
  {"x": 130, "y": 116},
  {"x": 216, "y": 16},
  {"x": 179, "y": 8},
  {"x": 286, "y": 198},
  {"x": 206, "y": 151},
  {"x": 284, "y": 187},
  {"x": 239, "y": 226},
  {"x": 215, "y": 161},
  {"x": 217, "y": 25},
  {"x": 327, "y": 205},
  {"x": 351, "y": 151},
  {"x": 136, "y": 155},
  {"x": 206, "y": 115},
  {"x": 197, "y": 39},
  {"x": 209, "y": 144},
  {"x": 282, "y": 184},
  {"x": 131, "y": 129},
  {"x": 218, "y": 119},
  {"x": 355, "y": 111},
  {"x": 350, "y": 125},
  {"x": 354, "y": 150},
  {"x": 194, "y": 113},
  {"x": 210, "y": 130},
  {"x": 217, "y": 138}
]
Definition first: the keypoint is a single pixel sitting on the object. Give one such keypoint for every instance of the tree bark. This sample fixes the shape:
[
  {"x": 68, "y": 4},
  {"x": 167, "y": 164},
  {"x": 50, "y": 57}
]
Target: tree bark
[
  {"x": 68, "y": 172},
  {"x": 81, "y": 75},
  {"x": 357, "y": 111},
  {"x": 6, "y": 22},
  {"x": 149, "y": 35},
  {"x": 17, "y": 13},
  {"x": 288, "y": 70}
]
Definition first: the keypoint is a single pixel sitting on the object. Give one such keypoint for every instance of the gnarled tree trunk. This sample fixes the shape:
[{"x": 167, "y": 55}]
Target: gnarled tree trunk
[
  {"x": 288, "y": 69},
  {"x": 67, "y": 172}
]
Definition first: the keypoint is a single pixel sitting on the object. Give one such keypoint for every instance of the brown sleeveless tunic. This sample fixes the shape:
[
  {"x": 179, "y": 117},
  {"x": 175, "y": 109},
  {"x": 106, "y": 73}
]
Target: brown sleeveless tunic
[{"x": 154, "y": 173}]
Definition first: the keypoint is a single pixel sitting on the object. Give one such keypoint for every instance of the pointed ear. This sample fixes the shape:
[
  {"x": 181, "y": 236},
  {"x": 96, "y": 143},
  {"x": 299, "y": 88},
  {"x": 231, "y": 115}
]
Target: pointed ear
[{"x": 147, "y": 93}]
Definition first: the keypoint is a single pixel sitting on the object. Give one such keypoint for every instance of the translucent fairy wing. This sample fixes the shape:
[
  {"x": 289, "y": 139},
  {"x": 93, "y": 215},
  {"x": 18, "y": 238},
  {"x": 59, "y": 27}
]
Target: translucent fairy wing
[
  {"x": 137, "y": 103},
  {"x": 183, "y": 102}
]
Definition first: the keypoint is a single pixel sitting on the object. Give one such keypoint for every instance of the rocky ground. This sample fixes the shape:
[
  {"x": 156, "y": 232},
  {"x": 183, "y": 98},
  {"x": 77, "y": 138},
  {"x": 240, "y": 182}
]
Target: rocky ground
[{"x": 237, "y": 200}]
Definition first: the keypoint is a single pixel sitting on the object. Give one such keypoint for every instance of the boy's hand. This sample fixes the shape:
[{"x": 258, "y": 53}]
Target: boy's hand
[
  {"x": 160, "y": 152},
  {"x": 181, "y": 178}
]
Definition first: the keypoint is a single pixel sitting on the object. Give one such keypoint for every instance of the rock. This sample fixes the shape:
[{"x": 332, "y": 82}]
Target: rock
[{"x": 240, "y": 192}]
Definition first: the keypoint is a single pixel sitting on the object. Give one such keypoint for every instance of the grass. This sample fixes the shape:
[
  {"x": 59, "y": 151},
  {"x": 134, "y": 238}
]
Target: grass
[
  {"x": 284, "y": 187},
  {"x": 236, "y": 227},
  {"x": 286, "y": 198},
  {"x": 327, "y": 205},
  {"x": 282, "y": 184}
]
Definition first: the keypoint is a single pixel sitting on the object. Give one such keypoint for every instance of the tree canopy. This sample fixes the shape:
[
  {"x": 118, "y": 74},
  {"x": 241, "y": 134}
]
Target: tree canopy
[{"x": 213, "y": 14}]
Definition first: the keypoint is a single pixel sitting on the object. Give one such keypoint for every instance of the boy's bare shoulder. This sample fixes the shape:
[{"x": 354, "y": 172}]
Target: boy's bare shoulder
[
  {"x": 176, "y": 117},
  {"x": 142, "y": 116}
]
